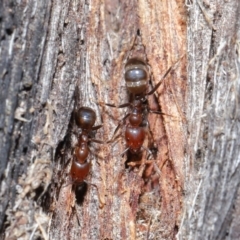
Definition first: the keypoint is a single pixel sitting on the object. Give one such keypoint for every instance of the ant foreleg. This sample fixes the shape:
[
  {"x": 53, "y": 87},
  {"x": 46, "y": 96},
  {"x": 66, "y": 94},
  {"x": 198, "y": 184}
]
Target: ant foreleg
[
  {"x": 100, "y": 198},
  {"x": 166, "y": 73},
  {"x": 89, "y": 183},
  {"x": 120, "y": 123},
  {"x": 75, "y": 209},
  {"x": 113, "y": 105},
  {"x": 114, "y": 139},
  {"x": 159, "y": 112},
  {"x": 124, "y": 151},
  {"x": 151, "y": 148},
  {"x": 159, "y": 83},
  {"x": 96, "y": 127},
  {"x": 96, "y": 140}
]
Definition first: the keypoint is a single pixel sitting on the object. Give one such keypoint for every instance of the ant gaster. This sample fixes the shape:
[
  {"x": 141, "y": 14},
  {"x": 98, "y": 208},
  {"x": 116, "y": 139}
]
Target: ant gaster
[
  {"x": 136, "y": 78},
  {"x": 85, "y": 119}
]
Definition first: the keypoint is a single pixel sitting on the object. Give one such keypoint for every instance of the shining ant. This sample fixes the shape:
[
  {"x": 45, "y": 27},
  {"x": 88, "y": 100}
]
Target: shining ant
[
  {"x": 85, "y": 118},
  {"x": 136, "y": 78}
]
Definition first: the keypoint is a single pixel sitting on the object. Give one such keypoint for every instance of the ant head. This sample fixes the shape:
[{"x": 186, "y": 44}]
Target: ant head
[
  {"x": 136, "y": 76},
  {"x": 134, "y": 138},
  {"x": 85, "y": 118}
]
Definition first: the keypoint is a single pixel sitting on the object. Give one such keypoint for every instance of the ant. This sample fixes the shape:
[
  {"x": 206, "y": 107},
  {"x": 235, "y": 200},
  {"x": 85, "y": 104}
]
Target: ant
[
  {"x": 85, "y": 118},
  {"x": 136, "y": 78}
]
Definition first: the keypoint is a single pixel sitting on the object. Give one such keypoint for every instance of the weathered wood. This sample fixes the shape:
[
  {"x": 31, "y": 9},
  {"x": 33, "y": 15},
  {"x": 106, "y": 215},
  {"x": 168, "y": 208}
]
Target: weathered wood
[
  {"x": 120, "y": 208},
  {"x": 48, "y": 49},
  {"x": 23, "y": 33},
  {"x": 75, "y": 44},
  {"x": 213, "y": 122}
]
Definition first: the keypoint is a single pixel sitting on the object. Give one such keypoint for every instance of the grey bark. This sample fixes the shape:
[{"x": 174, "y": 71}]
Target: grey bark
[
  {"x": 212, "y": 206},
  {"x": 48, "y": 48}
]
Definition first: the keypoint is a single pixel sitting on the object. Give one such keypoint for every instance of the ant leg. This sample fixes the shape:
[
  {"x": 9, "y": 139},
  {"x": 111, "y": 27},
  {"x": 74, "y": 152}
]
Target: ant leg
[
  {"x": 124, "y": 151},
  {"x": 75, "y": 209},
  {"x": 64, "y": 168},
  {"x": 159, "y": 112},
  {"x": 157, "y": 169},
  {"x": 151, "y": 140},
  {"x": 159, "y": 83},
  {"x": 96, "y": 127},
  {"x": 96, "y": 140},
  {"x": 119, "y": 106},
  {"x": 68, "y": 161},
  {"x": 124, "y": 105},
  {"x": 113, "y": 105},
  {"x": 148, "y": 227},
  {"x": 100, "y": 198},
  {"x": 121, "y": 154},
  {"x": 153, "y": 152},
  {"x": 120, "y": 123},
  {"x": 161, "y": 80},
  {"x": 89, "y": 183},
  {"x": 93, "y": 139},
  {"x": 115, "y": 138},
  {"x": 148, "y": 151}
]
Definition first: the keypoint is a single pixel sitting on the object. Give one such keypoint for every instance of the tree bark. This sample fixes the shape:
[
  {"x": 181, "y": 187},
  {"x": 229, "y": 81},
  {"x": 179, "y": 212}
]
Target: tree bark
[
  {"x": 58, "y": 56},
  {"x": 212, "y": 202}
]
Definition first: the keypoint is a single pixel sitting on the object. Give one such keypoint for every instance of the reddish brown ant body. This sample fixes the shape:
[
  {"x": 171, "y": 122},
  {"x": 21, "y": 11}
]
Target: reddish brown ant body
[
  {"x": 136, "y": 78},
  {"x": 85, "y": 119}
]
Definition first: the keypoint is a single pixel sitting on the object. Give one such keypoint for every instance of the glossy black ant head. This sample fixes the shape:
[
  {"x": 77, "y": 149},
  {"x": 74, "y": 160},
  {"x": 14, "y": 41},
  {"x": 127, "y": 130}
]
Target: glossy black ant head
[
  {"x": 136, "y": 76},
  {"x": 85, "y": 118}
]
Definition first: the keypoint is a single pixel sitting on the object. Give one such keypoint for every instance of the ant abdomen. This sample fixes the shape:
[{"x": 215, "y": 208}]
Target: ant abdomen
[{"x": 136, "y": 76}]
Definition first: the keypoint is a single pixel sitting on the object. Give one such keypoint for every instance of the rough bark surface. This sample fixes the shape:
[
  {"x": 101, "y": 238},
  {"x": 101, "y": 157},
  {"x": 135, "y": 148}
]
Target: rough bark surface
[
  {"x": 51, "y": 48},
  {"x": 120, "y": 207},
  {"x": 212, "y": 203},
  {"x": 24, "y": 165}
]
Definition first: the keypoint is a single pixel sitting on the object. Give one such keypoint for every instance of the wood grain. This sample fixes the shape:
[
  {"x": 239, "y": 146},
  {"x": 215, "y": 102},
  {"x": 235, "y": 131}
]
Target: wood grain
[{"x": 50, "y": 49}]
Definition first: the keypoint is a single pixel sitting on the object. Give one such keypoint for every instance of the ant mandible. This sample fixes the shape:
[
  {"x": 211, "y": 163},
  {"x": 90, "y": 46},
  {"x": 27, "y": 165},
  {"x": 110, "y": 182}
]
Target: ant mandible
[
  {"x": 85, "y": 118},
  {"x": 136, "y": 78}
]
